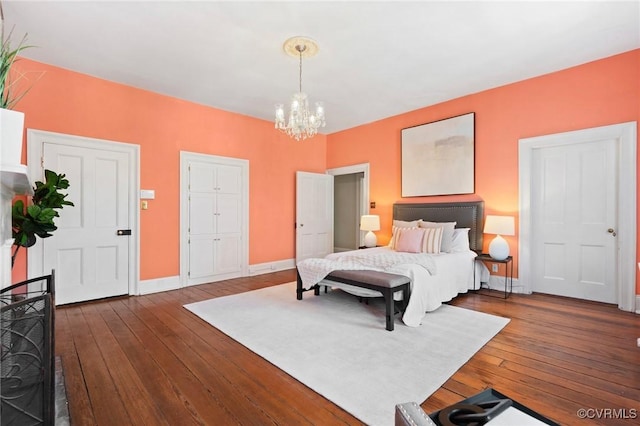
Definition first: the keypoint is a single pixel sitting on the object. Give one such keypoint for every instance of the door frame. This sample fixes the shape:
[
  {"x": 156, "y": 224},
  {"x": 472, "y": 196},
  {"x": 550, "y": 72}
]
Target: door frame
[
  {"x": 185, "y": 158},
  {"x": 364, "y": 194},
  {"x": 35, "y": 142},
  {"x": 625, "y": 137}
]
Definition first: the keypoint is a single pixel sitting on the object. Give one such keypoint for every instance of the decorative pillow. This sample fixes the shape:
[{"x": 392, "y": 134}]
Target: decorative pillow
[
  {"x": 410, "y": 240},
  {"x": 405, "y": 224},
  {"x": 432, "y": 240},
  {"x": 447, "y": 233},
  {"x": 460, "y": 240},
  {"x": 395, "y": 234}
]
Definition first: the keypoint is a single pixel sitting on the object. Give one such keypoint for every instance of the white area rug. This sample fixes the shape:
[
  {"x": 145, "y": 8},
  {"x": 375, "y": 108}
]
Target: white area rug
[{"x": 340, "y": 348}]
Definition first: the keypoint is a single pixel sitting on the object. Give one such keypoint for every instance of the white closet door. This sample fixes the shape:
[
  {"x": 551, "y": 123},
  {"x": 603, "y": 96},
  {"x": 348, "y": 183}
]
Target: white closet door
[{"x": 215, "y": 221}]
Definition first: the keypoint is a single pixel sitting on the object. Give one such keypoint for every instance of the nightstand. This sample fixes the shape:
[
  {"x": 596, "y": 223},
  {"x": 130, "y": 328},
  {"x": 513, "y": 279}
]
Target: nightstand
[{"x": 508, "y": 274}]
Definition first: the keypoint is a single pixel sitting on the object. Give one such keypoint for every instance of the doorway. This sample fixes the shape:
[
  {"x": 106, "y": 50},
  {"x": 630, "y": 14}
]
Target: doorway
[
  {"x": 351, "y": 200},
  {"x": 596, "y": 169}
]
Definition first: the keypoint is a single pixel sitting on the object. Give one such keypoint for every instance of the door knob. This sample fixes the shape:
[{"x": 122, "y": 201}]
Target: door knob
[{"x": 612, "y": 231}]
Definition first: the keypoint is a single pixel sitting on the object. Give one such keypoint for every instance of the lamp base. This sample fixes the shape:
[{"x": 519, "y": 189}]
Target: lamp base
[
  {"x": 370, "y": 239},
  {"x": 499, "y": 248}
]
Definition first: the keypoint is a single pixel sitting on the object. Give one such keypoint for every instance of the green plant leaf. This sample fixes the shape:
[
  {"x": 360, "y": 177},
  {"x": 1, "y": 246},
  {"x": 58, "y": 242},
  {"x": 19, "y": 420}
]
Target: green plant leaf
[{"x": 37, "y": 219}]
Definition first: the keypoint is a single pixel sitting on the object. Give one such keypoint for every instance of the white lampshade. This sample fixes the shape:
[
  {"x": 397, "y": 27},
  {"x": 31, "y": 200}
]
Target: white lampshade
[
  {"x": 370, "y": 222},
  {"x": 499, "y": 225}
]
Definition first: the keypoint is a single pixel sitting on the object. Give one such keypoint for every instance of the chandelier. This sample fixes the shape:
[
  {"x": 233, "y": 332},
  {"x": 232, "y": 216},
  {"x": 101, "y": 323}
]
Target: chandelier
[{"x": 302, "y": 123}]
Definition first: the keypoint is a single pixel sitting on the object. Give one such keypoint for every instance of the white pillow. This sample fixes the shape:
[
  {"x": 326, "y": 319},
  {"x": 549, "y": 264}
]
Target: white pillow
[
  {"x": 405, "y": 224},
  {"x": 447, "y": 233},
  {"x": 460, "y": 240}
]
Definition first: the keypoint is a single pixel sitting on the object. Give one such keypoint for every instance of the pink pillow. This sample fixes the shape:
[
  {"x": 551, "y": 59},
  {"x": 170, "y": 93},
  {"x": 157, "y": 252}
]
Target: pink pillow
[{"x": 410, "y": 240}]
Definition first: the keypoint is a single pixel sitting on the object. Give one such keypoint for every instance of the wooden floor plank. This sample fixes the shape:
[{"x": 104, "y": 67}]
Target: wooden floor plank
[{"x": 147, "y": 360}]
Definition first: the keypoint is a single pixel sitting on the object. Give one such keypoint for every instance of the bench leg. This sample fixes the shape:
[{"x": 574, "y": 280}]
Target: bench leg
[
  {"x": 406, "y": 293},
  {"x": 388, "y": 301},
  {"x": 299, "y": 286}
]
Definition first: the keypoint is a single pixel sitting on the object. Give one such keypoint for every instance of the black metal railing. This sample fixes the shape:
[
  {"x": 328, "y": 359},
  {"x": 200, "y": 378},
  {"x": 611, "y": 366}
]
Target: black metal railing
[{"x": 27, "y": 364}]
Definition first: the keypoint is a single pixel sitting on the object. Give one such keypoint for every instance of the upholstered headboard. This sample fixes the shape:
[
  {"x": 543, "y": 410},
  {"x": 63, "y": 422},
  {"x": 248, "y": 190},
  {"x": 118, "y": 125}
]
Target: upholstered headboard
[{"x": 467, "y": 215}]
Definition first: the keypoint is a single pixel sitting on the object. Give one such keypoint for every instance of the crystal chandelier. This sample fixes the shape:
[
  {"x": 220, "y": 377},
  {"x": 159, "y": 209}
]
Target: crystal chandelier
[{"x": 302, "y": 123}]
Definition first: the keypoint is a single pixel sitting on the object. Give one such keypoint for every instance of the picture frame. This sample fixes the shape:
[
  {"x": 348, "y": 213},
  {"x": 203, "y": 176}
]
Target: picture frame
[{"x": 438, "y": 158}]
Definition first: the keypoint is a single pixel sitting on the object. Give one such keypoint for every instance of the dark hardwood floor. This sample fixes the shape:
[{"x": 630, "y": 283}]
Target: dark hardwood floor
[{"x": 146, "y": 360}]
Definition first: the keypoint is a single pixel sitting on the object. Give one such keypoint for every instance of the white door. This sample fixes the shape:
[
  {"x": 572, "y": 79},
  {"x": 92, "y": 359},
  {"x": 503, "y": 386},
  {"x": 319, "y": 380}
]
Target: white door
[
  {"x": 215, "y": 226},
  {"x": 89, "y": 256},
  {"x": 314, "y": 215},
  {"x": 573, "y": 204}
]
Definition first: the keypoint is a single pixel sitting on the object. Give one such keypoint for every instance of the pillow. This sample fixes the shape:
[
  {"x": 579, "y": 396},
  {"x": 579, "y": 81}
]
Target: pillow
[
  {"x": 447, "y": 233},
  {"x": 460, "y": 240},
  {"x": 410, "y": 240},
  {"x": 405, "y": 224},
  {"x": 432, "y": 240},
  {"x": 395, "y": 234}
]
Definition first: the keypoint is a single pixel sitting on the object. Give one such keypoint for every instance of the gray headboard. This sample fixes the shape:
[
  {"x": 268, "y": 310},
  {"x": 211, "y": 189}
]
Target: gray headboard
[{"x": 467, "y": 215}]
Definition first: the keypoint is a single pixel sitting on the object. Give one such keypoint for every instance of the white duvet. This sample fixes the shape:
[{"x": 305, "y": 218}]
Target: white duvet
[{"x": 435, "y": 278}]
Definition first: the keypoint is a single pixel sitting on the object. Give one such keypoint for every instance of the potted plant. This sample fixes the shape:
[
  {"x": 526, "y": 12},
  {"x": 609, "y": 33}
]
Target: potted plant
[
  {"x": 11, "y": 122},
  {"x": 37, "y": 219}
]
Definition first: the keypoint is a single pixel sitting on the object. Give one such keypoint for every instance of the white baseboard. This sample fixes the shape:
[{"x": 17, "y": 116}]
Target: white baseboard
[
  {"x": 496, "y": 282},
  {"x": 638, "y": 304},
  {"x": 173, "y": 283},
  {"x": 266, "y": 268},
  {"x": 159, "y": 284}
]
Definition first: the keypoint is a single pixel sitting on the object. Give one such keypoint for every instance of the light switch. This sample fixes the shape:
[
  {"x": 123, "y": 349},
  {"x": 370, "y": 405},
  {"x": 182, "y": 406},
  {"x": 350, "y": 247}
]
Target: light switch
[
  {"x": 147, "y": 194},
  {"x": 145, "y": 204}
]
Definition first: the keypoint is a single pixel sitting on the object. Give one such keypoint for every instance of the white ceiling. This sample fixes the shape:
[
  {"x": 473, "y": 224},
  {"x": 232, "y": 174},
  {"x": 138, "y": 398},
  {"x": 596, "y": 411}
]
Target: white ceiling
[{"x": 376, "y": 59}]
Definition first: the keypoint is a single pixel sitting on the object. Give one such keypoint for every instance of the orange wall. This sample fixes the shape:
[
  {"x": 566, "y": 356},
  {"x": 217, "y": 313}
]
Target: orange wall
[
  {"x": 599, "y": 93},
  {"x": 595, "y": 94},
  {"x": 68, "y": 102}
]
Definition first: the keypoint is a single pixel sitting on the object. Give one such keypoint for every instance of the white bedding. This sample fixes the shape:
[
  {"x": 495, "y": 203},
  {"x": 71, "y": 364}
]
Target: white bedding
[{"x": 436, "y": 278}]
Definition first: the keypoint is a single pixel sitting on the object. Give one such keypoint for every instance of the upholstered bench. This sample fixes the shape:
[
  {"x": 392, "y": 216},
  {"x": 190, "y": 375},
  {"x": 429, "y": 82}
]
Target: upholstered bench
[{"x": 386, "y": 283}]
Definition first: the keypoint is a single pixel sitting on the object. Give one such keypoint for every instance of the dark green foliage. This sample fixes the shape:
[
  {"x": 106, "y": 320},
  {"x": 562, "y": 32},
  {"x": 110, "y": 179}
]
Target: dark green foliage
[{"x": 38, "y": 218}]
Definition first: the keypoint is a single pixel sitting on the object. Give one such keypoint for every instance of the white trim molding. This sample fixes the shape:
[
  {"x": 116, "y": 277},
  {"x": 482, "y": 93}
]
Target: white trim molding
[
  {"x": 625, "y": 134},
  {"x": 268, "y": 267},
  {"x": 157, "y": 285}
]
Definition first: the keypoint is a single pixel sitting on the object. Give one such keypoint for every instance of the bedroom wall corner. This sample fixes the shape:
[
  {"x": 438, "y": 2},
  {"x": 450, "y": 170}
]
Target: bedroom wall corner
[{"x": 597, "y": 93}]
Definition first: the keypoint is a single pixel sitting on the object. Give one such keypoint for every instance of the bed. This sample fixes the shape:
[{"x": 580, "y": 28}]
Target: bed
[{"x": 435, "y": 278}]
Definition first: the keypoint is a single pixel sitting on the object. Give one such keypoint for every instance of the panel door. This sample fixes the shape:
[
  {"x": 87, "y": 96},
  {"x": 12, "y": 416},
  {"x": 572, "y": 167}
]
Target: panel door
[
  {"x": 90, "y": 259},
  {"x": 574, "y": 220},
  {"x": 314, "y": 215}
]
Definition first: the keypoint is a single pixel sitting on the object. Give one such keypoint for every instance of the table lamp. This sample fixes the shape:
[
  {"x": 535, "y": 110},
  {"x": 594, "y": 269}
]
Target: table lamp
[
  {"x": 370, "y": 222},
  {"x": 499, "y": 225}
]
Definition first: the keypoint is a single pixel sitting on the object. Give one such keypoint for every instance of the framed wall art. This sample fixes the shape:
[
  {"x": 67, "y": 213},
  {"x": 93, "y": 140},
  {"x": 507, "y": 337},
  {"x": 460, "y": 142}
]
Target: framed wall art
[{"x": 439, "y": 158}]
